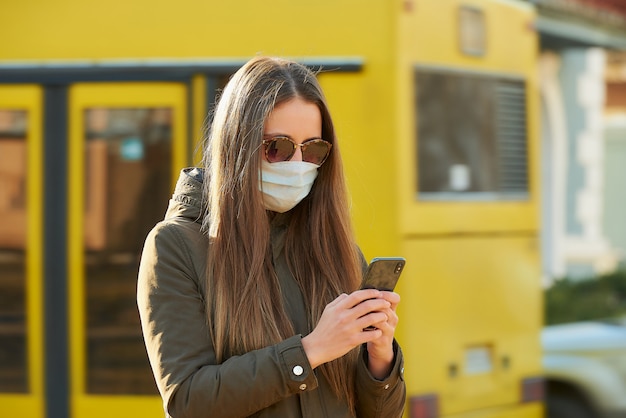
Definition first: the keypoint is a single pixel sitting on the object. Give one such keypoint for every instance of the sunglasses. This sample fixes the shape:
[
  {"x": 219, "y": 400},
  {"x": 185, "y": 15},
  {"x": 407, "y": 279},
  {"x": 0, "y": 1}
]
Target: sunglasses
[{"x": 282, "y": 148}]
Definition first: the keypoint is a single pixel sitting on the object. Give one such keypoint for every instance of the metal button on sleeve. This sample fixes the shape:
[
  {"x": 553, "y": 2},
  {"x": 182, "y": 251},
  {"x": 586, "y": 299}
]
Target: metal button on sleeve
[
  {"x": 303, "y": 386},
  {"x": 298, "y": 370}
]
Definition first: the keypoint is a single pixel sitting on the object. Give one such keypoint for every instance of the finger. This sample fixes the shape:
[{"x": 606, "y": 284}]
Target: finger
[
  {"x": 393, "y": 319},
  {"x": 389, "y": 326},
  {"x": 392, "y": 297},
  {"x": 371, "y": 335},
  {"x": 371, "y": 319},
  {"x": 337, "y": 300},
  {"x": 359, "y": 296},
  {"x": 370, "y": 305}
]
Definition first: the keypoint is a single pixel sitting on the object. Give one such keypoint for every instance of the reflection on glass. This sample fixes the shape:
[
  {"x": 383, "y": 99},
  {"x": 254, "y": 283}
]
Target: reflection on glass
[
  {"x": 472, "y": 137},
  {"x": 13, "y": 358},
  {"x": 127, "y": 186}
]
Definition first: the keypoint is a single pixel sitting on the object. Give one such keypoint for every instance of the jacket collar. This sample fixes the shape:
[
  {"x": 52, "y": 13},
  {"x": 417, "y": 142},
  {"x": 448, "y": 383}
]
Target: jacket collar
[{"x": 187, "y": 198}]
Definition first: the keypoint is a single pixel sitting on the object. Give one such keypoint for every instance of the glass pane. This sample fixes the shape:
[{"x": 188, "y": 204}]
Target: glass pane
[
  {"x": 127, "y": 187},
  {"x": 456, "y": 138},
  {"x": 472, "y": 30},
  {"x": 13, "y": 335},
  {"x": 472, "y": 136}
]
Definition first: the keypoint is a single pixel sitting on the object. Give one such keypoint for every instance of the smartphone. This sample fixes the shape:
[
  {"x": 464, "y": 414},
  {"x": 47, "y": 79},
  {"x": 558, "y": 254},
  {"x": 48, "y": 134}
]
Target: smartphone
[{"x": 383, "y": 273}]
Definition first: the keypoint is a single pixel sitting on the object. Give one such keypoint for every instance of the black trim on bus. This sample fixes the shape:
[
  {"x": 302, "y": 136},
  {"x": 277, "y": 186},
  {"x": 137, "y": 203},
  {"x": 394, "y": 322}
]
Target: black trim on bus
[
  {"x": 55, "y": 175},
  {"x": 148, "y": 70}
]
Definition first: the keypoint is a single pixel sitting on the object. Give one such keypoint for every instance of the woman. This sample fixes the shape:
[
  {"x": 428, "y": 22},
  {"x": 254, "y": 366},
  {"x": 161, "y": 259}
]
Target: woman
[{"x": 248, "y": 289}]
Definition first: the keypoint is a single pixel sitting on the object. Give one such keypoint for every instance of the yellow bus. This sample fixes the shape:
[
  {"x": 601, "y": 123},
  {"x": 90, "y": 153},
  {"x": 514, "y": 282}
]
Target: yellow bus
[{"x": 436, "y": 106}]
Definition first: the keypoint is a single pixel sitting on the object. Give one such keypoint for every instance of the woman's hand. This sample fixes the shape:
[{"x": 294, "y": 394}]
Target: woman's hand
[
  {"x": 341, "y": 327},
  {"x": 380, "y": 350}
]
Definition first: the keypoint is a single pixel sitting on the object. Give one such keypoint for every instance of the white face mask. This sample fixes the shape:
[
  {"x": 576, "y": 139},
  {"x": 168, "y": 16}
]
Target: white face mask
[{"x": 285, "y": 184}]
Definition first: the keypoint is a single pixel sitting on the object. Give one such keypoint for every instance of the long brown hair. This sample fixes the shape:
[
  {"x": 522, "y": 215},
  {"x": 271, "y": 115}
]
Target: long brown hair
[{"x": 244, "y": 303}]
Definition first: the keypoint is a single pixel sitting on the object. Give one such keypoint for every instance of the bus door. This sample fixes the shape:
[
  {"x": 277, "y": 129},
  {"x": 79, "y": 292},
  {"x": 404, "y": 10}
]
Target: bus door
[
  {"x": 127, "y": 144},
  {"x": 21, "y": 367}
]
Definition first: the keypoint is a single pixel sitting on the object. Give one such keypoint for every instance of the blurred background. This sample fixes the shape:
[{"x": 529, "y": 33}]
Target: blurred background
[{"x": 483, "y": 140}]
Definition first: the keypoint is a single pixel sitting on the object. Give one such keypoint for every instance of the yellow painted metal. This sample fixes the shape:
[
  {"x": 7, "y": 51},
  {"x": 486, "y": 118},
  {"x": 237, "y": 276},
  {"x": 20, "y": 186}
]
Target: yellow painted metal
[
  {"x": 471, "y": 292},
  {"x": 193, "y": 28},
  {"x": 29, "y": 98},
  {"x": 519, "y": 411},
  {"x": 81, "y": 97}
]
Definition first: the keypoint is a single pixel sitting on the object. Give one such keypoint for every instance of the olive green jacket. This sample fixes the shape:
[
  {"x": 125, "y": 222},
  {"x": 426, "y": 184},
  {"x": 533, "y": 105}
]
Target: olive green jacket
[{"x": 275, "y": 381}]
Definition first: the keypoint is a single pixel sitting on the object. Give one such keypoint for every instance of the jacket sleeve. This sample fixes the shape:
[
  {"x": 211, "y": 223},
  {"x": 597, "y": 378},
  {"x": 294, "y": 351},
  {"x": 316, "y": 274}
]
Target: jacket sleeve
[
  {"x": 180, "y": 350},
  {"x": 380, "y": 398}
]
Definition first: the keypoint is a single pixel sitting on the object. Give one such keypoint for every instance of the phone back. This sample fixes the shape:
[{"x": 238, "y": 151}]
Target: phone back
[{"x": 383, "y": 273}]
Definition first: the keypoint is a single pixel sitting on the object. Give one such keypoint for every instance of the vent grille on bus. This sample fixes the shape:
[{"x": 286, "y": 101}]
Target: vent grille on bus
[{"x": 510, "y": 120}]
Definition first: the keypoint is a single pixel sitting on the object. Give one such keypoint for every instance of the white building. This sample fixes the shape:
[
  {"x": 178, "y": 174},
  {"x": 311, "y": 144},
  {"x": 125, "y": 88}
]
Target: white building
[{"x": 575, "y": 40}]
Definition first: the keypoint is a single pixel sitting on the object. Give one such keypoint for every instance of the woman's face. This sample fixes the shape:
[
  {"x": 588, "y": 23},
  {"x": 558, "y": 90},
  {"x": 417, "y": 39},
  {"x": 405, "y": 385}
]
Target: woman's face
[{"x": 295, "y": 119}]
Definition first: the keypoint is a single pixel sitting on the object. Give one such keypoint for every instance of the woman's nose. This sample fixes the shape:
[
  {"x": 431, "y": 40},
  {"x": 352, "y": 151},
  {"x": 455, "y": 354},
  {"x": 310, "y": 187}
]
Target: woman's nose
[{"x": 297, "y": 156}]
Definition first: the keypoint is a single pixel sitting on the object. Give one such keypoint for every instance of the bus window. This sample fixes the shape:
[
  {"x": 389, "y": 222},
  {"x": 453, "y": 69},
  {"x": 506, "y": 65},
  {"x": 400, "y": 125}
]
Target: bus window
[
  {"x": 127, "y": 187},
  {"x": 472, "y": 140},
  {"x": 13, "y": 344}
]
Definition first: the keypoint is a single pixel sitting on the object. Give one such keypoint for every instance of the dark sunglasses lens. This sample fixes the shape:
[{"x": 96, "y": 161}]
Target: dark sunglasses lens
[
  {"x": 315, "y": 151},
  {"x": 279, "y": 149}
]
